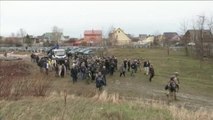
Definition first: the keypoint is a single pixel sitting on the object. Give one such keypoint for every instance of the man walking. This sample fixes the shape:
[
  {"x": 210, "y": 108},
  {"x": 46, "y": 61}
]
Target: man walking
[{"x": 151, "y": 73}]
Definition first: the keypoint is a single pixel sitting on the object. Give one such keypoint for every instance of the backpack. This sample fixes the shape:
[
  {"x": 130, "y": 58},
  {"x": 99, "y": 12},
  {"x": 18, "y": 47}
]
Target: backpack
[
  {"x": 99, "y": 78},
  {"x": 173, "y": 85},
  {"x": 99, "y": 81},
  {"x": 133, "y": 66}
]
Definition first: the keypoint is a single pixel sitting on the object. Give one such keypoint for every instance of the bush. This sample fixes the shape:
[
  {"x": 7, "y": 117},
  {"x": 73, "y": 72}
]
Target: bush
[
  {"x": 16, "y": 83},
  {"x": 36, "y": 86}
]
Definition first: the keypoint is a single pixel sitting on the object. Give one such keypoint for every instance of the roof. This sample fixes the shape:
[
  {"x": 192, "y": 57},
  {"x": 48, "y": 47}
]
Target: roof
[
  {"x": 117, "y": 29},
  {"x": 97, "y": 32},
  {"x": 206, "y": 32},
  {"x": 135, "y": 39},
  {"x": 207, "y": 35},
  {"x": 142, "y": 35},
  {"x": 148, "y": 40},
  {"x": 67, "y": 37},
  {"x": 169, "y": 35}
]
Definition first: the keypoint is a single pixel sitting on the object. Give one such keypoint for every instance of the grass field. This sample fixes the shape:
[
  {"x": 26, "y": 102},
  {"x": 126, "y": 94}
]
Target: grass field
[{"x": 126, "y": 98}]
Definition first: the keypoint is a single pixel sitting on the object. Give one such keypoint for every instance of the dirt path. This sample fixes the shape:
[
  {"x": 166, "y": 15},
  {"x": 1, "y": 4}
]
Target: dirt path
[
  {"x": 15, "y": 56},
  {"x": 143, "y": 89}
]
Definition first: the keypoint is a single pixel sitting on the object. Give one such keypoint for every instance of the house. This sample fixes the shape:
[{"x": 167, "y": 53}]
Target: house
[
  {"x": 64, "y": 38},
  {"x": 147, "y": 42},
  {"x": 170, "y": 38},
  {"x": 159, "y": 40},
  {"x": 193, "y": 38},
  {"x": 93, "y": 37},
  {"x": 142, "y": 37},
  {"x": 119, "y": 37},
  {"x": 77, "y": 43},
  {"x": 51, "y": 36},
  {"x": 134, "y": 39}
]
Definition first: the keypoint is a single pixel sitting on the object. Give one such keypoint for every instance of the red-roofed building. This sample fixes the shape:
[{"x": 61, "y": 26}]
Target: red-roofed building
[{"x": 93, "y": 37}]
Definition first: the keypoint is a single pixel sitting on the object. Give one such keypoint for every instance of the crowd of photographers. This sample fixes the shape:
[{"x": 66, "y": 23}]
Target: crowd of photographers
[{"x": 93, "y": 68}]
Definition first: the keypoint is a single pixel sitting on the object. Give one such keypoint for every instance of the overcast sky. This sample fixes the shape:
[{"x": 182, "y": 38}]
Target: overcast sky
[{"x": 134, "y": 17}]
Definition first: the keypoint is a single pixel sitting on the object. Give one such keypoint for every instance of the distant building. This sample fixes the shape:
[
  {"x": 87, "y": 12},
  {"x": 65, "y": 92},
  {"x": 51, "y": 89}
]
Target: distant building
[
  {"x": 51, "y": 38},
  {"x": 93, "y": 37},
  {"x": 170, "y": 38},
  {"x": 11, "y": 41},
  {"x": 119, "y": 37},
  {"x": 134, "y": 39},
  {"x": 147, "y": 42},
  {"x": 66, "y": 38},
  {"x": 193, "y": 38},
  {"x": 142, "y": 37}
]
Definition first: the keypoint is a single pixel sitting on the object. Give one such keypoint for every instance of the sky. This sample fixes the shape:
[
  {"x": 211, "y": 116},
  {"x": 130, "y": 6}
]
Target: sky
[{"x": 73, "y": 17}]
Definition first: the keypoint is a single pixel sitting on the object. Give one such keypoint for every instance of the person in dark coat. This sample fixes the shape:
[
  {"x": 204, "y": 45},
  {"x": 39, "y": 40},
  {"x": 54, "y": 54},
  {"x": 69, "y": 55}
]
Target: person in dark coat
[
  {"x": 116, "y": 63},
  {"x": 63, "y": 70},
  {"x": 125, "y": 64},
  {"x": 37, "y": 59},
  {"x": 122, "y": 70},
  {"x": 104, "y": 73},
  {"x": 56, "y": 70},
  {"x": 112, "y": 68},
  {"x": 151, "y": 73},
  {"x": 88, "y": 76},
  {"x": 146, "y": 67},
  {"x": 133, "y": 68},
  {"x": 93, "y": 71},
  {"x": 74, "y": 73},
  {"x": 99, "y": 81},
  {"x": 128, "y": 65}
]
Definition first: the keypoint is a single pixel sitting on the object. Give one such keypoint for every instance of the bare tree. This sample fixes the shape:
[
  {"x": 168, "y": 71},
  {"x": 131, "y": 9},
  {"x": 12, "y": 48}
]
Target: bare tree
[
  {"x": 183, "y": 30},
  {"x": 201, "y": 23},
  {"x": 112, "y": 37},
  {"x": 166, "y": 44},
  {"x": 198, "y": 36},
  {"x": 210, "y": 24},
  {"x": 28, "y": 40},
  {"x": 21, "y": 33},
  {"x": 56, "y": 34},
  {"x": 12, "y": 34},
  {"x": 156, "y": 41}
]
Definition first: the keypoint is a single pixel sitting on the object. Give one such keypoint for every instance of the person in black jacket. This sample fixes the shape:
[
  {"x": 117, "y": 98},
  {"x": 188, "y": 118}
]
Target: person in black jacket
[
  {"x": 128, "y": 64},
  {"x": 99, "y": 81},
  {"x": 122, "y": 70},
  {"x": 125, "y": 63},
  {"x": 104, "y": 72},
  {"x": 146, "y": 67},
  {"x": 151, "y": 73},
  {"x": 74, "y": 73},
  {"x": 112, "y": 68},
  {"x": 133, "y": 68}
]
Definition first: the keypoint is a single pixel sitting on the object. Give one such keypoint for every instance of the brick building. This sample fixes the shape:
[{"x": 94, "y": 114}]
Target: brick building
[{"x": 93, "y": 37}]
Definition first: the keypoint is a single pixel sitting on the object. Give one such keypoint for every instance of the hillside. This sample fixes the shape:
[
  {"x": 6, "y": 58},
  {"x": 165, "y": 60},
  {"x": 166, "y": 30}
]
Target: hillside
[{"x": 129, "y": 98}]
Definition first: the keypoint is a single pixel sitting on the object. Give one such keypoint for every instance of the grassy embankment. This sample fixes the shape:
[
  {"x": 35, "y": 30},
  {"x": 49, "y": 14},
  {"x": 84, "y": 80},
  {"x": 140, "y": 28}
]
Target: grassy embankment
[{"x": 126, "y": 98}]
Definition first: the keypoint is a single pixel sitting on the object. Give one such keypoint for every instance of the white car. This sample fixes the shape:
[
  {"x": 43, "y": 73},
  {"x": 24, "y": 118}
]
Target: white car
[{"x": 59, "y": 54}]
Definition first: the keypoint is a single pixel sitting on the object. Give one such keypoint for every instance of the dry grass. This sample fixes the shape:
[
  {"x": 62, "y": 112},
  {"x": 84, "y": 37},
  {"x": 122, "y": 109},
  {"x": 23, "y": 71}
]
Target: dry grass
[
  {"x": 19, "y": 80},
  {"x": 95, "y": 108}
]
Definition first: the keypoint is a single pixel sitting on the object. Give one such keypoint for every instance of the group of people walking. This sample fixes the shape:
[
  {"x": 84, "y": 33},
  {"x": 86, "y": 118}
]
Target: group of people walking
[
  {"x": 94, "y": 69},
  {"x": 133, "y": 66}
]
